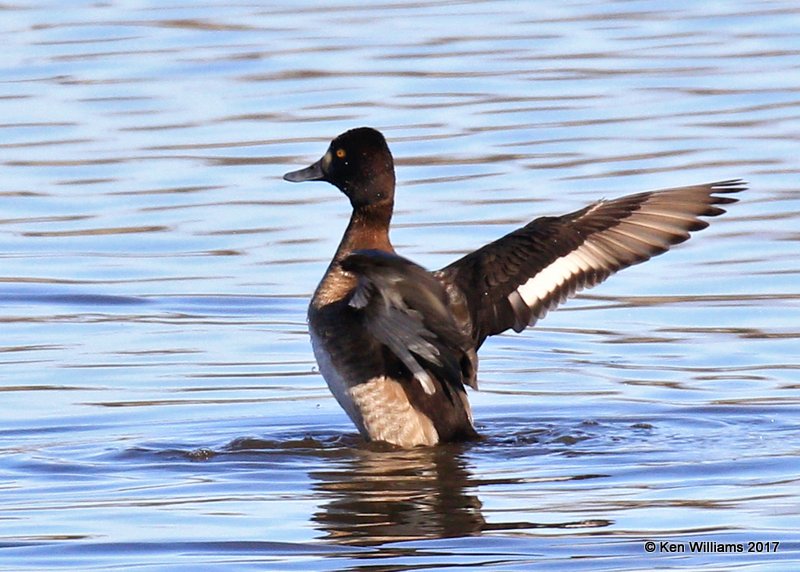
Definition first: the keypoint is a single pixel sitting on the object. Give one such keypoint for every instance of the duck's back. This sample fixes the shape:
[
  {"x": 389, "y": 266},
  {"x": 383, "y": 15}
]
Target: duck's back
[{"x": 377, "y": 389}]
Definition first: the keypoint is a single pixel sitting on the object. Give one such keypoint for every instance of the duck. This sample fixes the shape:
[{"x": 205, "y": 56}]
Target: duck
[{"x": 397, "y": 344}]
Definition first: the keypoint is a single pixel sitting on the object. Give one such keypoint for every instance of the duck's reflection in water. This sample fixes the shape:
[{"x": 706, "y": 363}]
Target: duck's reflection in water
[
  {"x": 375, "y": 494},
  {"x": 384, "y": 495},
  {"x": 369, "y": 494}
]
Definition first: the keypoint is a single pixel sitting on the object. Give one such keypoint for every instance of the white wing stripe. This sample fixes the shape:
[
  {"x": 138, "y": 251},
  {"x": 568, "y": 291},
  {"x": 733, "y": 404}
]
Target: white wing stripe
[
  {"x": 552, "y": 277},
  {"x": 602, "y": 251},
  {"x": 586, "y": 261},
  {"x": 649, "y": 228},
  {"x": 543, "y": 283}
]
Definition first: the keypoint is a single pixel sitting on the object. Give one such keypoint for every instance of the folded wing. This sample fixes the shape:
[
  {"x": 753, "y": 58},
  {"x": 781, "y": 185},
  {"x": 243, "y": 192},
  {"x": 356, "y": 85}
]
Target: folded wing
[{"x": 405, "y": 308}]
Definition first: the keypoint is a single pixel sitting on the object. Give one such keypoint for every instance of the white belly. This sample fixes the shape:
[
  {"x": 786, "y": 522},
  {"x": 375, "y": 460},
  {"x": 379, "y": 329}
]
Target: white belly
[
  {"x": 379, "y": 407},
  {"x": 336, "y": 383}
]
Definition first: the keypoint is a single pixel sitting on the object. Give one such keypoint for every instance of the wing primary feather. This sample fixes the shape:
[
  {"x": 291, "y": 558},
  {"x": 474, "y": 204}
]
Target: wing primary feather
[{"x": 550, "y": 259}]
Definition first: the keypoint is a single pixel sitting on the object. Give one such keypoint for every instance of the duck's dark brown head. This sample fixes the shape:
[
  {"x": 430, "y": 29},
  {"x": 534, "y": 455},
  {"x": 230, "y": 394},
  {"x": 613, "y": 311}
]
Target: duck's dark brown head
[{"x": 359, "y": 163}]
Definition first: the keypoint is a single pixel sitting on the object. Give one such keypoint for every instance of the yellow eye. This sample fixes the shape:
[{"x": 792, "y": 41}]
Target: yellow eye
[{"x": 341, "y": 153}]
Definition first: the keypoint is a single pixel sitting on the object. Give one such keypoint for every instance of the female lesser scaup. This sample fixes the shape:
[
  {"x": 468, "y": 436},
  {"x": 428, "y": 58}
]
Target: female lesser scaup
[{"x": 396, "y": 343}]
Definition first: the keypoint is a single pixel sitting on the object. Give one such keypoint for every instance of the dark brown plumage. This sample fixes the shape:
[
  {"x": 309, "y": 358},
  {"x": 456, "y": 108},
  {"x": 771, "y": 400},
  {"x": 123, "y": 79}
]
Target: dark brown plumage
[
  {"x": 397, "y": 344},
  {"x": 593, "y": 243}
]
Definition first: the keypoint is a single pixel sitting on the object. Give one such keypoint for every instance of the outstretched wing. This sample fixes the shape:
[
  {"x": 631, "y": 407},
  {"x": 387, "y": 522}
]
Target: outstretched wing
[
  {"x": 405, "y": 308},
  {"x": 514, "y": 281}
]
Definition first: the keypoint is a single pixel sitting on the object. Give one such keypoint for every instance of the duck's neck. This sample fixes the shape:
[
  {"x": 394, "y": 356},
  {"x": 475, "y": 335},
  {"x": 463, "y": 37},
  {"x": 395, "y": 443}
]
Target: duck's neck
[{"x": 368, "y": 229}]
